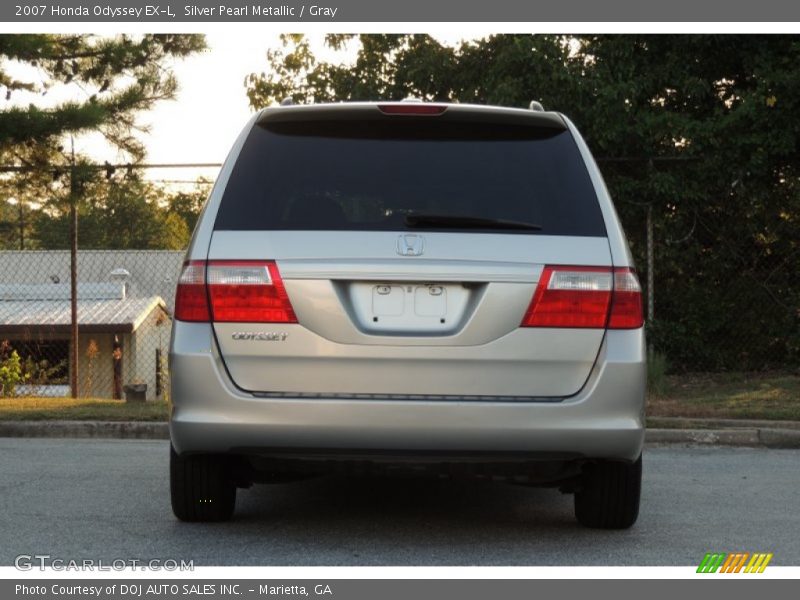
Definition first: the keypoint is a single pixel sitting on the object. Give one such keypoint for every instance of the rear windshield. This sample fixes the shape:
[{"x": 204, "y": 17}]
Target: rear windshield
[{"x": 372, "y": 175}]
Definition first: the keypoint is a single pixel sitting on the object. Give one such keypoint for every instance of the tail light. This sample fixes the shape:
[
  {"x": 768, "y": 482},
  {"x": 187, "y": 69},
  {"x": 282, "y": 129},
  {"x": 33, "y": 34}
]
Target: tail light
[
  {"x": 232, "y": 291},
  {"x": 586, "y": 297},
  {"x": 191, "y": 297},
  {"x": 626, "y": 304}
]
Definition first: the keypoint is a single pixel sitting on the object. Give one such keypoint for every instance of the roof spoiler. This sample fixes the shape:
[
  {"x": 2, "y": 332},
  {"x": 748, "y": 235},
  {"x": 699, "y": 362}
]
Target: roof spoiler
[{"x": 475, "y": 113}]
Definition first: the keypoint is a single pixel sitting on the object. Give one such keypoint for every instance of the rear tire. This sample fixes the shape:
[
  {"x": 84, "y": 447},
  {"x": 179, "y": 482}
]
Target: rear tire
[
  {"x": 609, "y": 495},
  {"x": 200, "y": 487}
]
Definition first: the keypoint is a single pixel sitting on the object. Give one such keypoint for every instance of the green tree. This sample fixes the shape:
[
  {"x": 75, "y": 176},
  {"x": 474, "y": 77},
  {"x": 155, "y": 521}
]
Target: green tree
[
  {"x": 114, "y": 80},
  {"x": 700, "y": 128},
  {"x": 188, "y": 204},
  {"x": 10, "y": 220},
  {"x": 22, "y": 194},
  {"x": 11, "y": 372},
  {"x": 120, "y": 213}
]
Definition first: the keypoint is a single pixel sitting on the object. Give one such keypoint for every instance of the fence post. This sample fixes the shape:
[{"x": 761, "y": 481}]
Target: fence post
[
  {"x": 651, "y": 293},
  {"x": 21, "y": 224},
  {"x": 73, "y": 276},
  {"x": 117, "y": 366},
  {"x": 159, "y": 373},
  {"x": 650, "y": 275}
]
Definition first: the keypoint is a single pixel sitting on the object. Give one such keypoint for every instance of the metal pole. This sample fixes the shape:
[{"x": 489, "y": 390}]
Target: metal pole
[
  {"x": 117, "y": 355},
  {"x": 650, "y": 274},
  {"x": 21, "y": 226},
  {"x": 73, "y": 277}
]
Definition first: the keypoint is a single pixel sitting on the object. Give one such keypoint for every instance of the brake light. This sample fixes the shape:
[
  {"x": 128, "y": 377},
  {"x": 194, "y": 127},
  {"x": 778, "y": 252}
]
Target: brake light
[
  {"x": 412, "y": 108},
  {"x": 626, "y": 305},
  {"x": 233, "y": 291},
  {"x": 586, "y": 297}
]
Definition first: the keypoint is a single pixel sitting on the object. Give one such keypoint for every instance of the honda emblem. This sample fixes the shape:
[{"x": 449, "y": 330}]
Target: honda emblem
[{"x": 410, "y": 245}]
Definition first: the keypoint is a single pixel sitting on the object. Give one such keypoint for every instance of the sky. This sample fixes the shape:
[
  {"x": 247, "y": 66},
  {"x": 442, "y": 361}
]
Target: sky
[{"x": 210, "y": 109}]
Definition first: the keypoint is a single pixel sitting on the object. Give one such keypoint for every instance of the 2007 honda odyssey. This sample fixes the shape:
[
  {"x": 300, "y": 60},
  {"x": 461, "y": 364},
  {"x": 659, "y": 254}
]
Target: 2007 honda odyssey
[{"x": 433, "y": 287}]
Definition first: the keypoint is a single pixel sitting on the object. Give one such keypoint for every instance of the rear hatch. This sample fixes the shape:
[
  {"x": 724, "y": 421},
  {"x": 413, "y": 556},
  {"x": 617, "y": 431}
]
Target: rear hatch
[{"x": 407, "y": 249}]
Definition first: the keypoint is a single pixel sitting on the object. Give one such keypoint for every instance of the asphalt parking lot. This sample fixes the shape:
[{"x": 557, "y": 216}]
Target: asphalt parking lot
[{"x": 109, "y": 499}]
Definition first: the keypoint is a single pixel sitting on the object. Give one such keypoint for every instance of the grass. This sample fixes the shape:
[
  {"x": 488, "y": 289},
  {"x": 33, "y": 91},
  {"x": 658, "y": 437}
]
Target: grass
[
  {"x": 82, "y": 409},
  {"x": 729, "y": 396}
]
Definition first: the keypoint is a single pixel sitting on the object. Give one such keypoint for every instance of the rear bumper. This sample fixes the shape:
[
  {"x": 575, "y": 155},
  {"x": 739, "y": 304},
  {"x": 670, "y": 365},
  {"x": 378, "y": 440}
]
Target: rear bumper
[{"x": 605, "y": 420}]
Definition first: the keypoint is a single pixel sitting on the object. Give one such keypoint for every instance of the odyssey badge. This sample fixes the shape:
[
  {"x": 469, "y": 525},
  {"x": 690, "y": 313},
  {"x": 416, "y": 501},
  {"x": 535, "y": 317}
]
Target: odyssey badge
[{"x": 259, "y": 336}]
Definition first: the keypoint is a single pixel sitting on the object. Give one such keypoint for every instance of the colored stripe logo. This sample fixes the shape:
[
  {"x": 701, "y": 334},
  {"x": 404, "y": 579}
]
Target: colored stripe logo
[{"x": 735, "y": 562}]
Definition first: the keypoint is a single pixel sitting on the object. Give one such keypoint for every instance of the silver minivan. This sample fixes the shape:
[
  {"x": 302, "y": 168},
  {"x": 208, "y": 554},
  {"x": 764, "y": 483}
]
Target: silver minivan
[{"x": 408, "y": 287}]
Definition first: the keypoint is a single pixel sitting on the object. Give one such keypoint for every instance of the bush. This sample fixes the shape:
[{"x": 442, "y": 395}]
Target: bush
[
  {"x": 42, "y": 372},
  {"x": 10, "y": 370}
]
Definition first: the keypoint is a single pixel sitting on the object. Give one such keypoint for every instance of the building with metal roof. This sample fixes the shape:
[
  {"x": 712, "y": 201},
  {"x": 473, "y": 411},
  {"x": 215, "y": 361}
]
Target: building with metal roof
[
  {"x": 123, "y": 320},
  {"x": 149, "y": 272}
]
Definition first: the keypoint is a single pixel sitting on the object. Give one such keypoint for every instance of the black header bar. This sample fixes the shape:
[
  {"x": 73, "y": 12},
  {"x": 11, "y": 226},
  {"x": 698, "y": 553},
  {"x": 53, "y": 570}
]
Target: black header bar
[{"x": 427, "y": 11}]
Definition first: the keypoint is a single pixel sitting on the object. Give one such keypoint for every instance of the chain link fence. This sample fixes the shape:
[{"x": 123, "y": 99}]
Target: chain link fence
[
  {"x": 726, "y": 294},
  {"x": 125, "y": 301},
  {"x": 742, "y": 313}
]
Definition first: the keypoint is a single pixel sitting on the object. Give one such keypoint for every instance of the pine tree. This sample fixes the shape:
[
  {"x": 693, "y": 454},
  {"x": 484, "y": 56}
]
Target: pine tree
[
  {"x": 113, "y": 79},
  {"x": 120, "y": 76}
]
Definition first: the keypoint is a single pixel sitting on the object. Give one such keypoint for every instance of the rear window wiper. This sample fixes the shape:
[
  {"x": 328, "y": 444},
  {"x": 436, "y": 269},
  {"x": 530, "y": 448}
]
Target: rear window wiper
[{"x": 422, "y": 221}]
